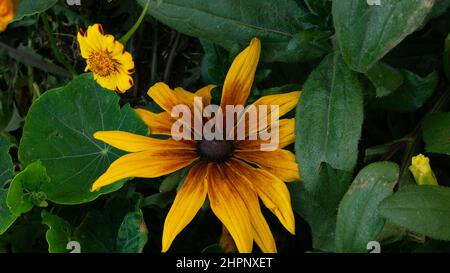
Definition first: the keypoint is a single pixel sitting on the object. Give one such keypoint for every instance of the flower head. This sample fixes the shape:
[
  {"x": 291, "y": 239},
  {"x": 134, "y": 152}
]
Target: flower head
[
  {"x": 233, "y": 174},
  {"x": 106, "y": 58},
  {"x": 421, "y": 170},
  {"x": 7, "y": 8}
]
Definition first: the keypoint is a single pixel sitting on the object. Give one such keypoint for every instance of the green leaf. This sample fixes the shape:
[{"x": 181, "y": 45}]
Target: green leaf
[
  {"x": 172, "y": 181},
  {"x": 59, "y": 233},
  {"x": 118, "y": 227},
  {"x": 366, "y": 33},
  {"x": 25, "y": 190},
  {"x": 385, "y": 78},
  {"x": 6, "y": 217},
  {"x": 412, "y": 95},
  {"x": 447, "y": 57},
  {"x": 421, "y": 209},
  {"x": 329, "y": 119},
  {"x": 32, "y": 7},
  {"x": 29, "y": 57},
  {"x": 6, "y": 164},
  {"x": 6, "y": 173},
  {"x": 280, "y": 24},
  {"x": 440, "y": 7},
  {"x": 436, "y": 133},
  {"x": 112, "y": 230},
  {"x": 320, "y": 208},
  {"x": 59, "y": 132},
  {"x": 133, "y": 233},
  {"x": 358, "y": 220}
]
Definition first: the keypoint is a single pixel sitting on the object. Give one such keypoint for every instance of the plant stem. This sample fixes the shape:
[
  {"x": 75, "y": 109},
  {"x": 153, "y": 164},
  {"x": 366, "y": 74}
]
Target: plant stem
[
  {"x": 130, "y": 33},
  {"x": 415, "y": 136},
  {"x": 172, "y": 55},
  {"x": 59, "y": 56}
]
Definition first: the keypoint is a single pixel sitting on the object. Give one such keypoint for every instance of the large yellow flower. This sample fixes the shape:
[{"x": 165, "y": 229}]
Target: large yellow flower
[
  {"x": 7, "y": 8},
  {"x": 233, "y": 174},
  {"x": 106, "y": 58}
]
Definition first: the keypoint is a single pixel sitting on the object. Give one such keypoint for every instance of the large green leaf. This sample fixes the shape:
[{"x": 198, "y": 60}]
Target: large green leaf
[
  {"x": 358, "y": 220},
  {"x": 59, "y": 132},
  {"x": 421, "y": 209},
  {"x": 436, "y": 133},
  {"x": 412, "y": 95},
  {"x": 25, "y": 190},
  {"x": 367, "y": 32},
  {"x": 281, "y": 25},
  {"x": 329, "y": 119},
  {"x": 31, "y": 7},
  {"x": 6, "y": 173}
]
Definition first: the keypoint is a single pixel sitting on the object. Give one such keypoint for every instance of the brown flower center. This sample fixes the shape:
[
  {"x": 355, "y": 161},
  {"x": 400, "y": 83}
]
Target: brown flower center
[
  {"x": 102, "y": 63},
  {"x": 215, "y": 150}
]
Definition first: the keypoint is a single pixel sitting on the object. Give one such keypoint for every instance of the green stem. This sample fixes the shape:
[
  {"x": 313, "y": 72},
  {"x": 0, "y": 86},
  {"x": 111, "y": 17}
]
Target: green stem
[
  {"x": 130, "y": 33},
  {"x": 59, "y": 56},
  {"x": 415, "y": 136}
]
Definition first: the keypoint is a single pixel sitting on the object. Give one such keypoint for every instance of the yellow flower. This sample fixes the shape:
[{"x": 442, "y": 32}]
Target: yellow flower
[
  {"x": 106, "y": 58},
  {"x": 232, "y": 174},
  {"x": 421, "y": 170},
  {"x": 7, "y": 8}
]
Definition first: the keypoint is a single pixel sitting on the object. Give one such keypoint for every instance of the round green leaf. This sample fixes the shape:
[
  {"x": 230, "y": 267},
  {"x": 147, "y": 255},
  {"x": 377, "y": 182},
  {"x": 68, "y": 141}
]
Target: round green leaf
[{"x": 59, "y": 132}]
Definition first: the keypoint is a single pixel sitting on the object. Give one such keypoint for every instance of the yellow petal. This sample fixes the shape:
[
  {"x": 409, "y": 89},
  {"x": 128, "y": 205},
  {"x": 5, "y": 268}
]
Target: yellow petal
[
  {"x": 286, "y": 137},
  {"x": 280, "y": 163},
  {"x": 272, "y": 191},
  {"x": 228, "y": 205},
  {"x": 285, "y": 102},
  {"x": 147, "y": 164},
  {"x": 239, "y": 79},
  {"x": 261, "y": 231},
  {"x": 136, "y": 143},
  {"x": 188, "y": 201},
  {"x": 159, "y": 124},
  {"x": 205, "y": 93},
  {"x": 168, "y": 98}
]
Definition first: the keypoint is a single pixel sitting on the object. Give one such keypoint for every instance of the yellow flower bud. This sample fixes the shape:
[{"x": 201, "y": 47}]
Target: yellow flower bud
[{"x": 421, "y": 170}]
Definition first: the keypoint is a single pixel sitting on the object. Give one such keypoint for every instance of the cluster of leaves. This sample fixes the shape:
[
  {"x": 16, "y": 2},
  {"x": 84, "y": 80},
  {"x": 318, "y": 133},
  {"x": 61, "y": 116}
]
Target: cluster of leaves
[{"x": 375, "y": 82}]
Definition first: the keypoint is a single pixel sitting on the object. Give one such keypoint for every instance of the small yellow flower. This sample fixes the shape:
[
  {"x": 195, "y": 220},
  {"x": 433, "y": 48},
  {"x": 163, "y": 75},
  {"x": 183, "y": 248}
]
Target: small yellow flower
[
  {"x": 421, "y": 170},
  {"x": 233, "y": 174},
  {"x": 7, "y": 8},
  {"x": 106, "y": 58}
]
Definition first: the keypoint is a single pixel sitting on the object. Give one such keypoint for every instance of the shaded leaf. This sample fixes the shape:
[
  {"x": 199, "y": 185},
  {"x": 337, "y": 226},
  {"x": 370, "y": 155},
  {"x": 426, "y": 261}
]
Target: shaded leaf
[
  {"x": 32, "y": 7},
  {"x": 280, "y": 24},
  {"x": 412, "y": 95},
  {"x": 436, "y": 133},
  {"x": 367, "y": 32}
]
